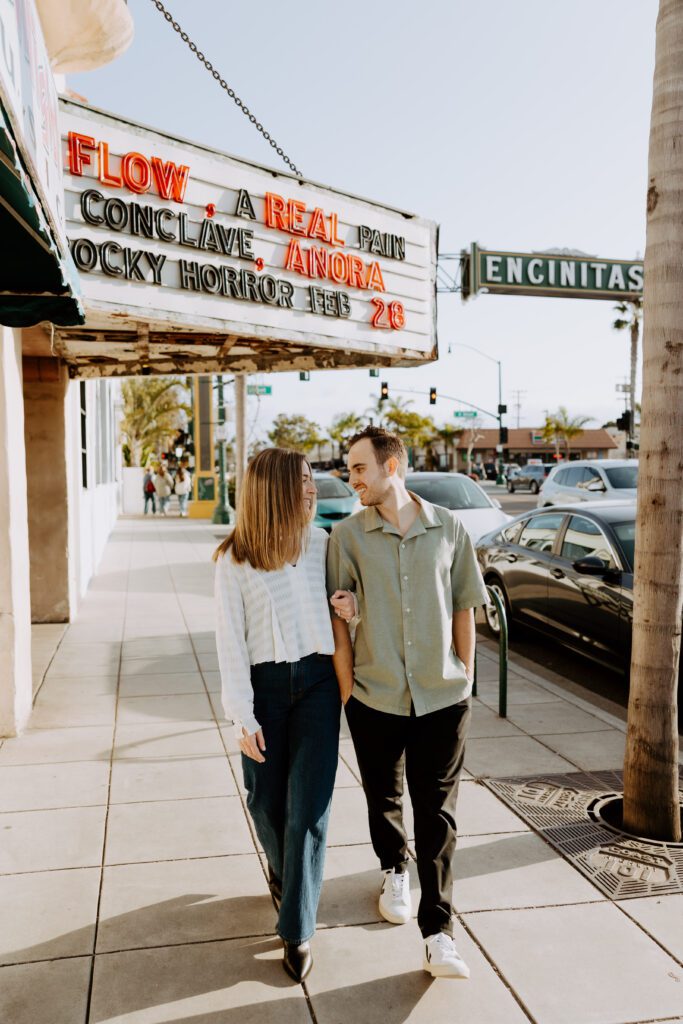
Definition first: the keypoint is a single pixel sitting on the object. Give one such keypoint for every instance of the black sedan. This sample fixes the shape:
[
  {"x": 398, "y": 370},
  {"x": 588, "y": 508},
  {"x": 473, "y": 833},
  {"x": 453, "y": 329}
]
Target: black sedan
[
  {"x": 568, "y": 574},
  {"x": 529, "y": 477}
]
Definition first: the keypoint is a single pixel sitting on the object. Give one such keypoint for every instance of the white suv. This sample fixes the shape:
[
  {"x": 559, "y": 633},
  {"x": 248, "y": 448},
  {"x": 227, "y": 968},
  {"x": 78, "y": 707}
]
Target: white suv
[{"x": 590, "y": 480}]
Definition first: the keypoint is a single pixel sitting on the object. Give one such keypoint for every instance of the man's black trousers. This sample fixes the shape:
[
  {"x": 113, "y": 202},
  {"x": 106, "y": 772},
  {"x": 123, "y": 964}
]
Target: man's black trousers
[{"x": 431, "y": 749}]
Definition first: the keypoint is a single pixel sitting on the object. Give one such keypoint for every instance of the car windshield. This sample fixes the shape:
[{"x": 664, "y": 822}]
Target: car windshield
[
  {"x": 454, "y": 492},
  {"x": 331, "y": 487},
  {"x": 622, "y": 477},
  {"x": 626, "y": 532}
]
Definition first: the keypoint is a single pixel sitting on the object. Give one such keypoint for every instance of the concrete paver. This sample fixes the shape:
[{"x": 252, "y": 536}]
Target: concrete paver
[
  {"x": 586, "y": 963},
  {"x": 185, "y": 930}
]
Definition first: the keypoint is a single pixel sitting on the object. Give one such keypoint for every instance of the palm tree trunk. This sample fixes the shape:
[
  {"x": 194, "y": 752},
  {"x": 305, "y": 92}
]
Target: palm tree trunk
[
  {"x": 651, "y": 802},
  {"x": 634, "y": 366}
]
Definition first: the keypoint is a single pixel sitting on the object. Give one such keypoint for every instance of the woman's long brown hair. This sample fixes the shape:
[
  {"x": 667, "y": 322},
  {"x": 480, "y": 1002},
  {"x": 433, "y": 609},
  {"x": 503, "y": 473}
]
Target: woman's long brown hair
[{"x": 271, "y": 515}]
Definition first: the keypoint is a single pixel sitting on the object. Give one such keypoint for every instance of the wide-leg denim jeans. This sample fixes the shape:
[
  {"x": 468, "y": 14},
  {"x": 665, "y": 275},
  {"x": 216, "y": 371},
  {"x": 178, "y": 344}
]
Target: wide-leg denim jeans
[{"x": 289, "y": 796}]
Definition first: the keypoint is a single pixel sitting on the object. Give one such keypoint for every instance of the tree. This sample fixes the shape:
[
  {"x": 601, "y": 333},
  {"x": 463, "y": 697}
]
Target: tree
[
  {"x": 564, "y": 427},
  {"x": 413, "y": 429},
  {"x": 296, "y": 432},
  {"x": 651, "y": 801},
  {"x": 472, "y": 434},
  {"x": 343, "y": 427},
  {"x": 448, "y": 435},
  {"x": 153, "y": 410},
  {"x": 630, "y": 315},
  {"x": 380, "y": 410}
]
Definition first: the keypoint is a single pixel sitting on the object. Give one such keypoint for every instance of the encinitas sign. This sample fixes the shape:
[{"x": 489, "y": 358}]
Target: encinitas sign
[{"x": 554, "y": 274}]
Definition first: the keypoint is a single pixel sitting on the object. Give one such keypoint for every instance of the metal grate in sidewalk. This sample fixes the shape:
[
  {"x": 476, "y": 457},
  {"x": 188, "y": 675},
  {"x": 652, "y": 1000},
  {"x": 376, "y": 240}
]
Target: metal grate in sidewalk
[{"x": 566, "y": 811}]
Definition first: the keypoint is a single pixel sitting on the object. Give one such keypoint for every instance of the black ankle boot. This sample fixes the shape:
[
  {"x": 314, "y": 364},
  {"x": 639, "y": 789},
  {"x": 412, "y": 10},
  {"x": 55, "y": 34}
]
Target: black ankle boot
[{"x": 297, "y": 960}]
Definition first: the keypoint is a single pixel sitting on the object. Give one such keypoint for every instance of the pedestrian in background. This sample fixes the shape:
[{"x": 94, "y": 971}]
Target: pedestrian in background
[
  {"x": 275, "y": 647},
  {"x": 183, "y": 487},
  {"x": 163, "y": 483},
  {"x": 148, "y": 491}
]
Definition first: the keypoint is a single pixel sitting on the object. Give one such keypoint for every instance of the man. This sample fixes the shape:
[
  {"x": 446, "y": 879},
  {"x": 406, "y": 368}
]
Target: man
[{"x": 407, "y": 685}]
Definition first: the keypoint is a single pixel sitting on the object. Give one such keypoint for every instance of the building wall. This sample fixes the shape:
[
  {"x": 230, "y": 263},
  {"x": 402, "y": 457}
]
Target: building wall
[{"x": 94, "y": 476}]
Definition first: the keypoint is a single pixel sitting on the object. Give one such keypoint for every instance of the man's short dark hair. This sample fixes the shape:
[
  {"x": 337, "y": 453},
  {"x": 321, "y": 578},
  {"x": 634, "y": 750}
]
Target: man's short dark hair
[{"x": 385, "y": 444}]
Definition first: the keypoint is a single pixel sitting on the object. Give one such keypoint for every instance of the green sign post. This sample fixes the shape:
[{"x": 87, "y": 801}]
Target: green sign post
[
  {"x": 259, "y": 389},
  {"x": 465, "y": 414},
  {"x": 550, "y": 274}
]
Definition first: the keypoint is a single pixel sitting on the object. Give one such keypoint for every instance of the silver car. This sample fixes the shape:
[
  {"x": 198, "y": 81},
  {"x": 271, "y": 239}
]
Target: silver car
[
  {"x": 478, "y": 513},
  {"x": 590, "y": 480}
]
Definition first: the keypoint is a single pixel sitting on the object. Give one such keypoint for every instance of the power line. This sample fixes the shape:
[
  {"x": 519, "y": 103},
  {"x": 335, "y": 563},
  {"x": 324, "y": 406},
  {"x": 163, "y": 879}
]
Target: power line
[{"x": 517, "y": 404}]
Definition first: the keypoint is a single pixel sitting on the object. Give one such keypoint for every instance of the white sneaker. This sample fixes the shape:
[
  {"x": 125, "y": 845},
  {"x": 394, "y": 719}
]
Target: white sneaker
[
  {"x": 442, "y": 959},
  {"x": 394, "y": 899}
]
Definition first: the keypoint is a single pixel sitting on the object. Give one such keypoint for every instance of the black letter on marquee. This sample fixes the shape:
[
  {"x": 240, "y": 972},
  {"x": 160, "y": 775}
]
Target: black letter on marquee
[
  {"x": 156, "y": 262},
  {"x": 246, "y": 237},
  {"x": 84, "y": 253},
  {"x": 189, "y": 275},
  {"x": 364, "y": 236},
  {"x": 107, "y": 267},
  {"x": 245, "y": 207},
  {"x": 286, "y": 293},
  {"x": 131, "y": 258},
  {"x": 91, "y": 195},
  {"x": 115, "y": 214},
  {"x": 344, "y": 304},
  {"x": 159, "y": 216}
]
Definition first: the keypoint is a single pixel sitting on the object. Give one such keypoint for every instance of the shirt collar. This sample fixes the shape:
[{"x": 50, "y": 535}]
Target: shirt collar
[{"x": 426, "y": 519}]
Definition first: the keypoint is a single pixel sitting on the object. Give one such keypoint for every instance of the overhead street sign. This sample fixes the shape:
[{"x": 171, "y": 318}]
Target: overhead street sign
[
  {"x": 259, "y": 389},
  {"x": 551, "y": 274},
  {"x": 465, "y": 413}
]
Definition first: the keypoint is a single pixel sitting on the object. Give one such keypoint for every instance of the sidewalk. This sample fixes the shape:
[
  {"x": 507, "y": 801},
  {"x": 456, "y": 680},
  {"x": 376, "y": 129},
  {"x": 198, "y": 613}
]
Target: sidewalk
[{"x": 131, "y": 886}]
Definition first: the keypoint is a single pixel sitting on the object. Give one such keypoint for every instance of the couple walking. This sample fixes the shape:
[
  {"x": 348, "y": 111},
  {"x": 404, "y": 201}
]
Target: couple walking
[{"x": 405, "y": 571}]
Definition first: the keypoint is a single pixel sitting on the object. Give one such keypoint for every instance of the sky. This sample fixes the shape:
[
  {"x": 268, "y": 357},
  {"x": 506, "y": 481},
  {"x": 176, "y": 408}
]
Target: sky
[{"x": 522, "y": 126}]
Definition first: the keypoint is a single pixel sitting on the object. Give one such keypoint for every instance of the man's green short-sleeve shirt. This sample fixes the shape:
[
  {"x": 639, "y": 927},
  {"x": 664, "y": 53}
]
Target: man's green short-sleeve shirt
[{"x": 407, "y": 589}]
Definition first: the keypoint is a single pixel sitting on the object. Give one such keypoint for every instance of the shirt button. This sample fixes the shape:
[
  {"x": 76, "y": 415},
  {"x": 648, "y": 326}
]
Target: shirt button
[
  {"x": 402, "y": 545},
  {"x": 405, "y": 577},
  {"x": 408, "y": 611},
  {"x": 410, "y": 643},
  {"x": 410, "y": 675}
]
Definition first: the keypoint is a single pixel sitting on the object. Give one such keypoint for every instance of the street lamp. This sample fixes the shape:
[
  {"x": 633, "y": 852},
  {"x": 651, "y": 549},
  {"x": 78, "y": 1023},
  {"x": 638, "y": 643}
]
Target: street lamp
[{"x": 500, "y": 479}]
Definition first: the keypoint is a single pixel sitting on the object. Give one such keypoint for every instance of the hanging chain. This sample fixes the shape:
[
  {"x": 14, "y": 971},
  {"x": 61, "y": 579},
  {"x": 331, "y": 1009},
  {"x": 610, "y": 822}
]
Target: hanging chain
[{"x": 224, "y": 85}]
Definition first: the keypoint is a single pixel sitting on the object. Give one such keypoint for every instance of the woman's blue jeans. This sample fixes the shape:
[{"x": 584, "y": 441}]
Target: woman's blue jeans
[{"x": 289, "y": 796}]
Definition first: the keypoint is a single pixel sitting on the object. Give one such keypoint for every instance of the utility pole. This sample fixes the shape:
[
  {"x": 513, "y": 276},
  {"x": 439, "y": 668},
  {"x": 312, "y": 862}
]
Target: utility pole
[
  {"x": 222, "y": 512},
  {"x": 517, "y": 404},
  {"x": 240, "y": 432}
]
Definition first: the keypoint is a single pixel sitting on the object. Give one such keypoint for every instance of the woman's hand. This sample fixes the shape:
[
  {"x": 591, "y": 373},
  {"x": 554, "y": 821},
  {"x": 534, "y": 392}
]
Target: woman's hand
[
  {"x": 344, "y": 605},
  {"x": 252, "y": 744}
]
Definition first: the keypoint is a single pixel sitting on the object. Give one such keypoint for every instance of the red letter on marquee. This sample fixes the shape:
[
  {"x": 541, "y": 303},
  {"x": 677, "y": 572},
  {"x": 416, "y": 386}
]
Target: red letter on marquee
[
  {"x": 171, "y": 180},
  {"x": 356, "y": 271},
  {"x": 374, "y": 278},
  {"x": 104, "y": 174},
  {"x": 334, "y": 229},
  {"x": 136, "y": 172},
  {"x": 294, "y": 259},
  {"x": 338, "y": 268},
  {"x": 276, "y": 212},
  {"x": 317, "y": 228},
  {"x": 77, "y": 158},
  {"x": 295, "y": 214}
]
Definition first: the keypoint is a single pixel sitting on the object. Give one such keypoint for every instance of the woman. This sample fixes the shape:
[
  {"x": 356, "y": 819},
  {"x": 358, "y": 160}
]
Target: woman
[
  {"x": 183, "y": 486},
  {"x": 275, "y": 647}
]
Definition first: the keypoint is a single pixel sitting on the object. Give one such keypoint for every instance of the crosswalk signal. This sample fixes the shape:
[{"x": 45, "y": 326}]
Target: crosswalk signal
[
  {"x": 432, "y": 396},
  {"x": 384, "y": 391},
  {"x": 374, "y": 372},
  {"x": 503, "y": 435}
]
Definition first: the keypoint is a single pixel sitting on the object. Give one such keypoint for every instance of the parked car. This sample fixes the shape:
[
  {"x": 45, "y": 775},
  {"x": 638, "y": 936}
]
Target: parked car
[
  {"x": 590, "y": 480},
  {"x": 478, "y": 513},
  {"x": 529, "y": 477},
  {"x": 336, "y": 500},
  {"x": 567, "y": 572}
]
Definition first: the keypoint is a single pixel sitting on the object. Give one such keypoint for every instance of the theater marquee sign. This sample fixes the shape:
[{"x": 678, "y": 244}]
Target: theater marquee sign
[{"x": 194, "y": 260}]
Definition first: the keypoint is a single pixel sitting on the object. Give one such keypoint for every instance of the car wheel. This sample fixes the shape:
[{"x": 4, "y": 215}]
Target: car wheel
[
  {"x": 491, "y": 612},
  {"x": 534, "y": 487}
]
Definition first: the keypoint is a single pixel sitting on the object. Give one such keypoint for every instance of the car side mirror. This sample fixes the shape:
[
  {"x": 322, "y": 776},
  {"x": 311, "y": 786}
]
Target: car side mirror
[
  {"x": 591, "y": 565},
  {"x": 596, "y": 485}
]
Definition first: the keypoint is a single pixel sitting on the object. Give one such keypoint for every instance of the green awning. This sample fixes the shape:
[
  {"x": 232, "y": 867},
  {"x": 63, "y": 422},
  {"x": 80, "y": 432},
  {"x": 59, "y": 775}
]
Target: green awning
[{"x": 37, "y": 281}]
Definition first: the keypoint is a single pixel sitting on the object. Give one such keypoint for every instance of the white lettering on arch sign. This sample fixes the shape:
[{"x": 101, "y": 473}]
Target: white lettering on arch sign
[{"x": 184, "y": 238}]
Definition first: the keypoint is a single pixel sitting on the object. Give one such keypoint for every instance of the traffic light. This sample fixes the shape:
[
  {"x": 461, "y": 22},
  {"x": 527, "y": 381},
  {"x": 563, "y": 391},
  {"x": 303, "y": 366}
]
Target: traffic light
[
  {"x": 503, "y": 435},
  {"x": 502, "y": 409},
  {"x": 624, "y": 421},
  {"x": 374, "y": 372},
  {"x": 632, "y": 446},
  {"x": 432, "y": 396},
  {"x": 304, "y": 375},
  {"x": 384, "y": 391}
]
